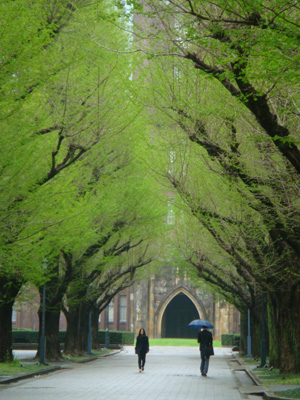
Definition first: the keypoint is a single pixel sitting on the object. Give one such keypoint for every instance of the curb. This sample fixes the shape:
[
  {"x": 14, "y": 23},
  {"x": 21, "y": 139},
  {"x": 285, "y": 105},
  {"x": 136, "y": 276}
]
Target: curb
[
  {"x": 53, "y": 369},
  {"x": 265, "y": 393},
  {"x": 86, "y": 360},
  {"x": 110, "y": 354},
  {"x": 31, "y": 375}
]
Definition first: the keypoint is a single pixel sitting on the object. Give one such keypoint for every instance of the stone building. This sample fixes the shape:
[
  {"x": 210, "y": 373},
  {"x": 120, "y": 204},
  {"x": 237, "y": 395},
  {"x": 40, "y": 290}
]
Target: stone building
[{"x": 163, "y": 305}]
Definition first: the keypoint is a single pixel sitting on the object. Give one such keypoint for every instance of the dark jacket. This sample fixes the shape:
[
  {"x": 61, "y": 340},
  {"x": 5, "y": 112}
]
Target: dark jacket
[
  {"x": 142, "y": 345},
  {"x": 205, "y": 339}
]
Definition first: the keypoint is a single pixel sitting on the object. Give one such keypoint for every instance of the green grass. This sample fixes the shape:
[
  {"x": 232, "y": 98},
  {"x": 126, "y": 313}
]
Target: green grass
[
  {"x": 291, "y": 393},
  {"x": 178, "y": 342},
  {"x": 17, "y": 368},
  {"x": 275, "y": 378},
  {"x": 95, "y": 353},
  {"x": 250, "y": 361}
]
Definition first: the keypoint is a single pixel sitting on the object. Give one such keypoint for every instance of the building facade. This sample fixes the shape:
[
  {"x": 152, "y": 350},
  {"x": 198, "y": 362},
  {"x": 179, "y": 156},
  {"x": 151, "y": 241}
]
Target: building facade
[{"x": 163, "y": 305}]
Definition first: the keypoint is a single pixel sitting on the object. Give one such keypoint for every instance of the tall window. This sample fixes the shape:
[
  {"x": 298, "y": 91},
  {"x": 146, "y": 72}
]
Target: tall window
[
  {"x": 14, "y": 316},
  {"x": 111, "y": 311},
  {"x": 123, "y": 308}
]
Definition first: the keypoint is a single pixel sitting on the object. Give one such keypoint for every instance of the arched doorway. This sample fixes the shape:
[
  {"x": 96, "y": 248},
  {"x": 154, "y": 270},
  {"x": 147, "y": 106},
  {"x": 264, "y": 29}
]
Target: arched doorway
[{"x": 177, "y": 315}]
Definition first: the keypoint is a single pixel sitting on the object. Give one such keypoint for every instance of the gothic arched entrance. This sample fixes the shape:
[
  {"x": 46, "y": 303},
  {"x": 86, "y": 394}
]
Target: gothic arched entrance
[{"x": 177, "y": 315}]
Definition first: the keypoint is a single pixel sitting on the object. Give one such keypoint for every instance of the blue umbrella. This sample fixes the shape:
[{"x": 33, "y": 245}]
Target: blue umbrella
[{"x": 200, "y": 323}]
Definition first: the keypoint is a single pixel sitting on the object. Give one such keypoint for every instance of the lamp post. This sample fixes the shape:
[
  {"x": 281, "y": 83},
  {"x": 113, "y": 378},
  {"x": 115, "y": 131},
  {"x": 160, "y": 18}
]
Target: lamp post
[
  {"x": 249, "y": 350},
  {"x": 107, "y": 329},
  {"x": 90, "y": 302},
  {"x": 263, "y": 355},
  {"x": 249, "y": 353},
  {"x": 89, "y": 345},
  {"x": 42, "y": 339}
]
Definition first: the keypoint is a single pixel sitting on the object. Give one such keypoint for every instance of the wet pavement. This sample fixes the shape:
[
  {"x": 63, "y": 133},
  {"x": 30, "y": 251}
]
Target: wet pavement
[{"x": 171, "y": 373}]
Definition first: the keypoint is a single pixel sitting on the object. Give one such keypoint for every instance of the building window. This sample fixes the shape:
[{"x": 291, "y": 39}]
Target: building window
[
  {"x": 14, "y": 316},
  {"x": 111, "y": 312},
  {"x": 123, "y": 308}
]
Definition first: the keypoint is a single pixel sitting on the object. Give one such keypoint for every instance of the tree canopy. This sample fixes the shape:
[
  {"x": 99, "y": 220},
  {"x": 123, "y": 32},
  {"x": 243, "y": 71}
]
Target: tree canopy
[
  {"x": 119, "y": 117},
  {"x": 226, "y": 108},
  {"x": 71, "y": 172}
]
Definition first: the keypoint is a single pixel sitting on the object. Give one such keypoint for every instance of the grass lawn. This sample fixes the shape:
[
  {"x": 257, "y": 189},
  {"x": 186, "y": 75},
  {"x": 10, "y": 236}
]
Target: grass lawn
[
  {"x": 17, "y": 368},
  {"x": 290, "y": 393},
  {"x": 95, "y": 353},
  {"x": 275, "y": 378},
  {"x": 178, "y": 342}
]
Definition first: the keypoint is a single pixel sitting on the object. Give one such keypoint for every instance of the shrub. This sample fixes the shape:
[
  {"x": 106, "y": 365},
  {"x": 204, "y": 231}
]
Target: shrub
[
  {"x": 25, "y": 336},
  {"x": 115, "y": 337},
  {"x": 228, "y": 339}
]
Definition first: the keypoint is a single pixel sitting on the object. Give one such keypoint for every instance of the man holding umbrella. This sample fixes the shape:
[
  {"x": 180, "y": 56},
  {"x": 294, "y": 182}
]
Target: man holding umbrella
[{"x": 206, "y": 341}]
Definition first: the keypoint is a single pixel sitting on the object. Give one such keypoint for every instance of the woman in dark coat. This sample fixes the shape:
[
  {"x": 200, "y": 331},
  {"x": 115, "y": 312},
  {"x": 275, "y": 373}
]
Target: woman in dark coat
[{"x": 142, "y": 348}]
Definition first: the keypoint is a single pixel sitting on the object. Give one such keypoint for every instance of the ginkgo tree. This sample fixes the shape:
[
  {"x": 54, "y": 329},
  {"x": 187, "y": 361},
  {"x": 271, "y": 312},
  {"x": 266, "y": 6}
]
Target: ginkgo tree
[
  {"x": 241, "y": 111},
  {"x": 94, "y": 253},
  {"x": 65, "y": 131},
  {"x": 28, "y": 30}
]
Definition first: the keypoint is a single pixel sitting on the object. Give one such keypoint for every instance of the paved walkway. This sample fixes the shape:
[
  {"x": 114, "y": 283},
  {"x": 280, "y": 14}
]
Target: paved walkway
[{"x": 170, "y": 374}]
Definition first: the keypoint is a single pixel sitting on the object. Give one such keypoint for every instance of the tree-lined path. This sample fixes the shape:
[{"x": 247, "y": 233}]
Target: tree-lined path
[
  {"x": 141, "y": 134},
  {"x": 170, "y": 373}
]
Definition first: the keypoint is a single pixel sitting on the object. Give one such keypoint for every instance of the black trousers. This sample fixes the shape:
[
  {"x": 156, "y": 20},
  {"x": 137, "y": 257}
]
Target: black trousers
[
  {"x": 204, "y": 364},
  {"x": 141, "y": 359}
]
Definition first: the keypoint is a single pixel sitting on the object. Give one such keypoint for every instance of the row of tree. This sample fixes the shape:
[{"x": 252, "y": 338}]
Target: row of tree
[
  {"x": 213, "y": 108},
  {"x": 222, "y": 82},
  {"x": 73, "y": 187}
]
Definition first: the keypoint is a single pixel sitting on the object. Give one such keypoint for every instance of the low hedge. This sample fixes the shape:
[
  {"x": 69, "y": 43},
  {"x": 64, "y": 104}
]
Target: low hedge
[
  {"x": 25, "y": 336},
  {"x": 115, "y": 337},
  {"x": 228, "y": 339}
]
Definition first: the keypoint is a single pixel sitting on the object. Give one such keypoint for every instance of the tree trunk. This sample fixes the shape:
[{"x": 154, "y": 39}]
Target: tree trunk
[
  {"x": 77, "y": 330},
  {"x": 9, "y": 290},
  {"x": 5, "y": 332},
  {"x": 255, "y": 317},
  {"x": 95, "y": 328},
  {"x": 256, "y": 328},
  {"x": 243, "y": 332},
  {"x": 55, "y": 289},
  {"x": 52, "y": 352},
  {"x": 255, "y": 331},
  {"x": 284, "y": 329}
]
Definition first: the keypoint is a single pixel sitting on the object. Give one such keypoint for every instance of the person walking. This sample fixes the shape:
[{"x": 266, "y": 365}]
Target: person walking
[
  {"x": 206, "y": 349},
  {"x": 142, "y": 348}
]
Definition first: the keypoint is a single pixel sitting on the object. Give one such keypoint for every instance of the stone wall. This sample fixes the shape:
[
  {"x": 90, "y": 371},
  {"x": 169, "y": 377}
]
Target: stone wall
[{"x": 150, "y": 300}]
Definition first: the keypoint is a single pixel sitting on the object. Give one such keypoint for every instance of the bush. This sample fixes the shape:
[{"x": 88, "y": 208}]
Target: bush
[
  {"x": 25, "y": 336},
  {"x": 230, "y": 339},
  {"x": 236, "y": 339},
  {"x": 115, "y": 337}
]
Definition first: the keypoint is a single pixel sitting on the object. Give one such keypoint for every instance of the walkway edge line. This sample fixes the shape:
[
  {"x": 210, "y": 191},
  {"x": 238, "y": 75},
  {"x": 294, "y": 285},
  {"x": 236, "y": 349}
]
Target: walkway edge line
[
  {"x": 31, "y": 375},
  {"x": 268, "y": 395}
]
